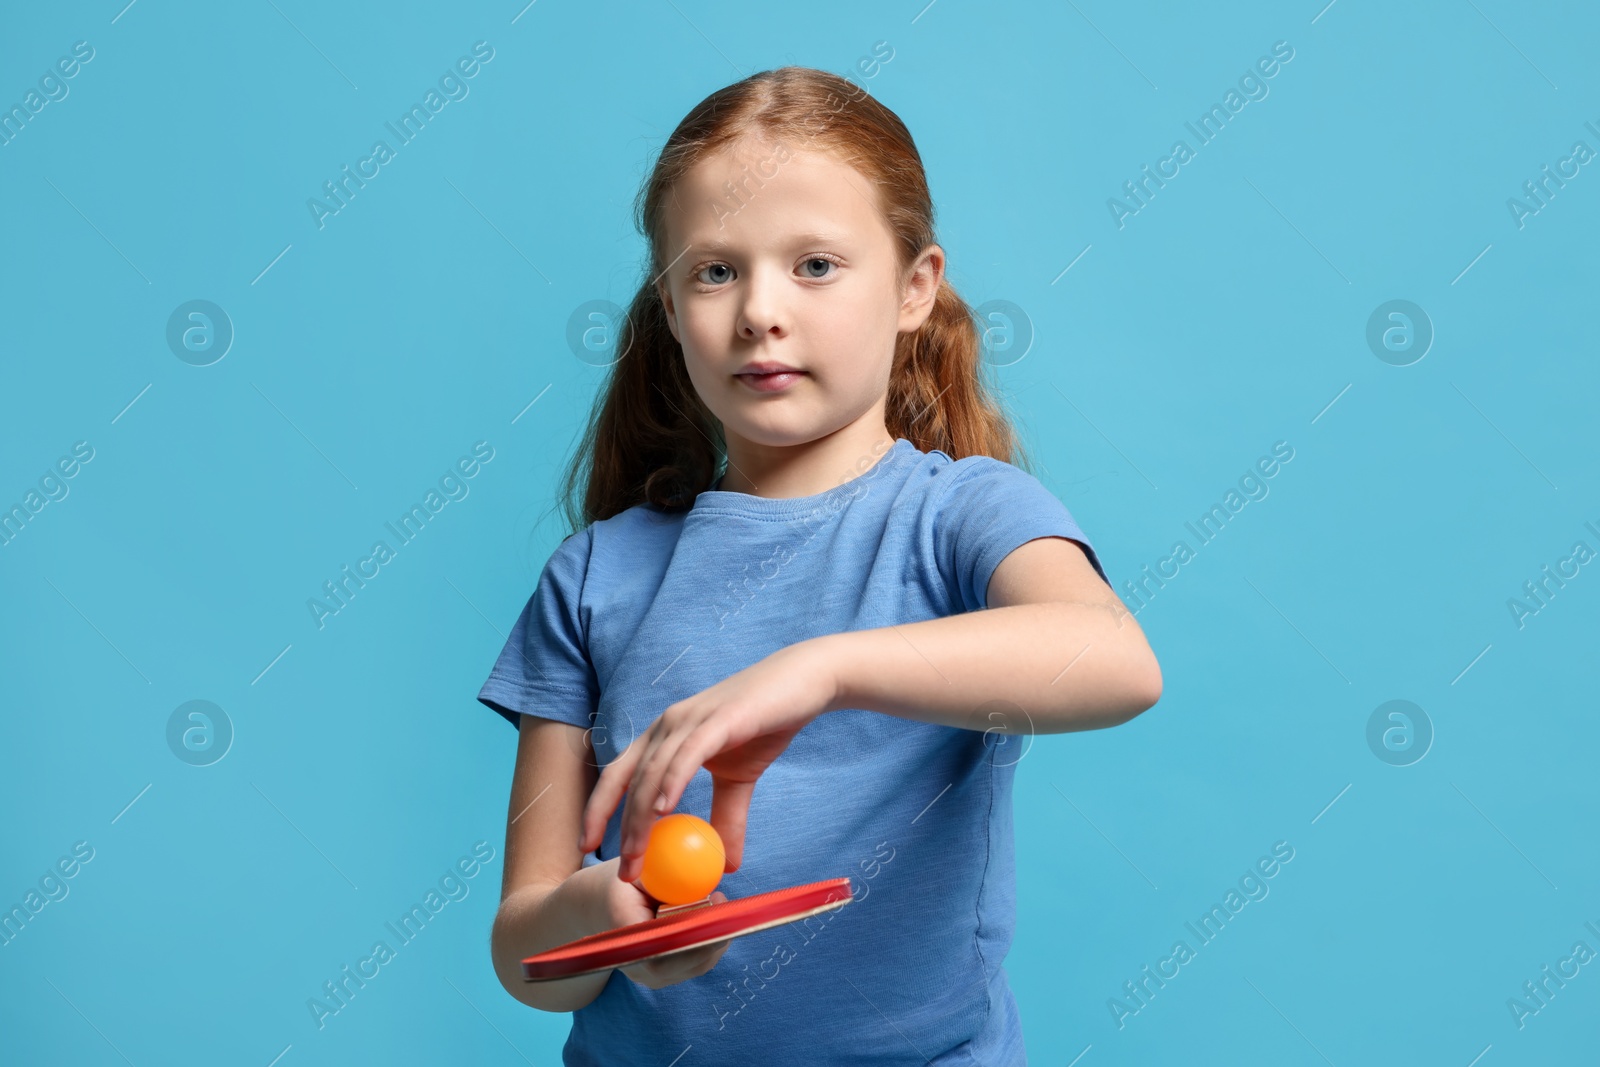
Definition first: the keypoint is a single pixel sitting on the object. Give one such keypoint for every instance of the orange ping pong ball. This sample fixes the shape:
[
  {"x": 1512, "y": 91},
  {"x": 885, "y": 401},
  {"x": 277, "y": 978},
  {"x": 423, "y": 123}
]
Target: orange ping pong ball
[{"x": 683, "y": 859}]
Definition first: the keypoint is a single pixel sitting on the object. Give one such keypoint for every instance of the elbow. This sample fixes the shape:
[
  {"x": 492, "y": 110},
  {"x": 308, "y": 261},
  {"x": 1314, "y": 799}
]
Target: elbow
[
  {"x": 512, "y": 937},
  {"x": 507, "y": 963},
  {"x": 506, "y": 969},
  {"x": 1150, "y": 692},
  {"x": 1145, "y": 693}
]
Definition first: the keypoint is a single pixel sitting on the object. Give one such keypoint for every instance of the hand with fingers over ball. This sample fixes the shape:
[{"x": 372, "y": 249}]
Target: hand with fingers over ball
[{"x": 734, "y": 729}]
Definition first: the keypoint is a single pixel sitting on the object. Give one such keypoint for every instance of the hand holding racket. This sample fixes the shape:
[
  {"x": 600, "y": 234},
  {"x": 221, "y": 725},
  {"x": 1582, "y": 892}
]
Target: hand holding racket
[
  {"x": 618, "y": 905},
  {"x": 679, "y": 942}
]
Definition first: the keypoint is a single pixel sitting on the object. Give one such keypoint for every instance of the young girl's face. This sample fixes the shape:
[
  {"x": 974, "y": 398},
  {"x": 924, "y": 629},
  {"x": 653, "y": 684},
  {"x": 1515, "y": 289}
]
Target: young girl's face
[{"x": 795, "y": 266}]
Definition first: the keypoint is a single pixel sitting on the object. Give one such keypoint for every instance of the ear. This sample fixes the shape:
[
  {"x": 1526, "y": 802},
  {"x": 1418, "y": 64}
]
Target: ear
[
  {"x": 672, "y": 315},
  {"x": 921, "y": 288}
]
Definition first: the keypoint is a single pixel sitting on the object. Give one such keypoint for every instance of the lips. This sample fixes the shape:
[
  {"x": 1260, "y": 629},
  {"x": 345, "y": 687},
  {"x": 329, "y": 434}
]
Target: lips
[
  {"x": 772, "y": 381},
  {"x": 762, "y": 366}
]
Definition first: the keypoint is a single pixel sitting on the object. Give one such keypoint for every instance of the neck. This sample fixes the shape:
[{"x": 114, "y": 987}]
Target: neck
[{"x": 783, "y": 471}]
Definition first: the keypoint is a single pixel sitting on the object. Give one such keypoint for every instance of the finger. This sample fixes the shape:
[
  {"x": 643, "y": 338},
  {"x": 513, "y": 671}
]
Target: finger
[
  {"x": 597, "y": 808},
  {"x": 607, "y": 791},
  {"x": 690, "y": 963},
  {"x": 638, "y": 812},
  {"x": 714, "y": 952},
  {"x": 642, "y": 973},
  {"x": 730, "y": 810},
  {"x": 625, "y": 781},
  {"x": 662, "y": 971},
  {"x": 700, "y": 743},
  {"x": 662, "y": 777}
]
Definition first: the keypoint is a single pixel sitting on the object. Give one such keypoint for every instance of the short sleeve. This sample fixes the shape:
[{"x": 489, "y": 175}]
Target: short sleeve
[
  {"x": 988, "y": 509},
  {"x": 544, "y": 668}
]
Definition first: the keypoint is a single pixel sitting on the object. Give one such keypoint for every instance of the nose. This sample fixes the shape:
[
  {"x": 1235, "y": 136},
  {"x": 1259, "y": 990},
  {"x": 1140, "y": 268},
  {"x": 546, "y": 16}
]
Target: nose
[{"x": 761, "y": 312}]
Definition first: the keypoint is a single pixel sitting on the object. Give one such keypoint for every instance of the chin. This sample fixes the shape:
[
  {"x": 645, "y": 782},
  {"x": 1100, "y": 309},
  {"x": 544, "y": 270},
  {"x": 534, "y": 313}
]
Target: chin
[{"x": 771, "y": 436}]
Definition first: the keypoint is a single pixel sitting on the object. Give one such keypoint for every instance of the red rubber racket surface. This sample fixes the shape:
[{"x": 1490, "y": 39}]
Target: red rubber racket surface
[{"x": 674, "y": 933}]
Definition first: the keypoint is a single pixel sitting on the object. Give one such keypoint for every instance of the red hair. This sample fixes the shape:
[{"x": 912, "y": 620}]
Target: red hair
[{"x": 650, "y": 439}]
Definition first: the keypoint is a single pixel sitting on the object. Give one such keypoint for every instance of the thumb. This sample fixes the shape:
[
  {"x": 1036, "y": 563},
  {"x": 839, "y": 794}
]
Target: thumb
[{"x": 730, "y": 808}]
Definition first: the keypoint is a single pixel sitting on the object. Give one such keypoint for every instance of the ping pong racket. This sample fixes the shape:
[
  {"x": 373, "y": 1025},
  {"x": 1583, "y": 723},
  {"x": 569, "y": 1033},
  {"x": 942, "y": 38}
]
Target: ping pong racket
[{"x": 685, "y": 926}]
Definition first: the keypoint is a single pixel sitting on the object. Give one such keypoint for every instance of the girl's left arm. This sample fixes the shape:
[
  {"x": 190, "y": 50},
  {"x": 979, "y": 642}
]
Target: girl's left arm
[{"x": 1055, "y": 651}]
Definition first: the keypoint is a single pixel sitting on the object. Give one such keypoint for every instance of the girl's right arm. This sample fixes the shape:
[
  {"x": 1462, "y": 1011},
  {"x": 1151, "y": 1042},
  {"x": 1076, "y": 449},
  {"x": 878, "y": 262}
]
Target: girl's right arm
[
  {"x": 539, "y": 907},
  {"x": 548, "y": 897}
]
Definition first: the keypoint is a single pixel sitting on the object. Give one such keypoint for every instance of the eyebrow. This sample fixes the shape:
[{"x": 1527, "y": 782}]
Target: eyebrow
[{"x": 814, "y": 237}]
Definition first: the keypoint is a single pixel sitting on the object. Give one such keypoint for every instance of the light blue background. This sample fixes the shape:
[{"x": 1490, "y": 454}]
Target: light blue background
[{"x": 1230, "y": 313}]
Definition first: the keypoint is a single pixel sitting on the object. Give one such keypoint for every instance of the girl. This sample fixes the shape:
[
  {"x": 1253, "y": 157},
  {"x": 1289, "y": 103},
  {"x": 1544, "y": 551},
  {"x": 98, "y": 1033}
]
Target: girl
[{"x": 807, "y": 593}]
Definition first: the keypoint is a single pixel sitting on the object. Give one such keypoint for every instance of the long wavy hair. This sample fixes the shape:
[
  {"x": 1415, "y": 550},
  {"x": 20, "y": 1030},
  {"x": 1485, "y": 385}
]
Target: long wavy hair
[{"x": 650, "y": 439}]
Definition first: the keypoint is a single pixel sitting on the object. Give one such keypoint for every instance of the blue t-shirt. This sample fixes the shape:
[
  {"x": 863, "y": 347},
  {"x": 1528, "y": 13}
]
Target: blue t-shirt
[{"x": 648, "y": 607}]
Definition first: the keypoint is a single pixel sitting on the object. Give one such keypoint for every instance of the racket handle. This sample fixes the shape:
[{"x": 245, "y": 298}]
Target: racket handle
[
  {"x": 662, "y": 908},
  {"x": 673, "y": 909}
]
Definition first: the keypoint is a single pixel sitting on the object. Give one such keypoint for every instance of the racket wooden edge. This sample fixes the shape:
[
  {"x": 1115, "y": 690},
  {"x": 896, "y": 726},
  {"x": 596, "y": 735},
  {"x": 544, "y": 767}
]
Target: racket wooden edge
[{"x": 797, "y": 916}]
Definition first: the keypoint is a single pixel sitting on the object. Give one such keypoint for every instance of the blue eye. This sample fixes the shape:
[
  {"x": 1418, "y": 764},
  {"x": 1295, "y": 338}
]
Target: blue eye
[
  {"x": 819, "y": 259},
  {"x": 726, "y": 272}
]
